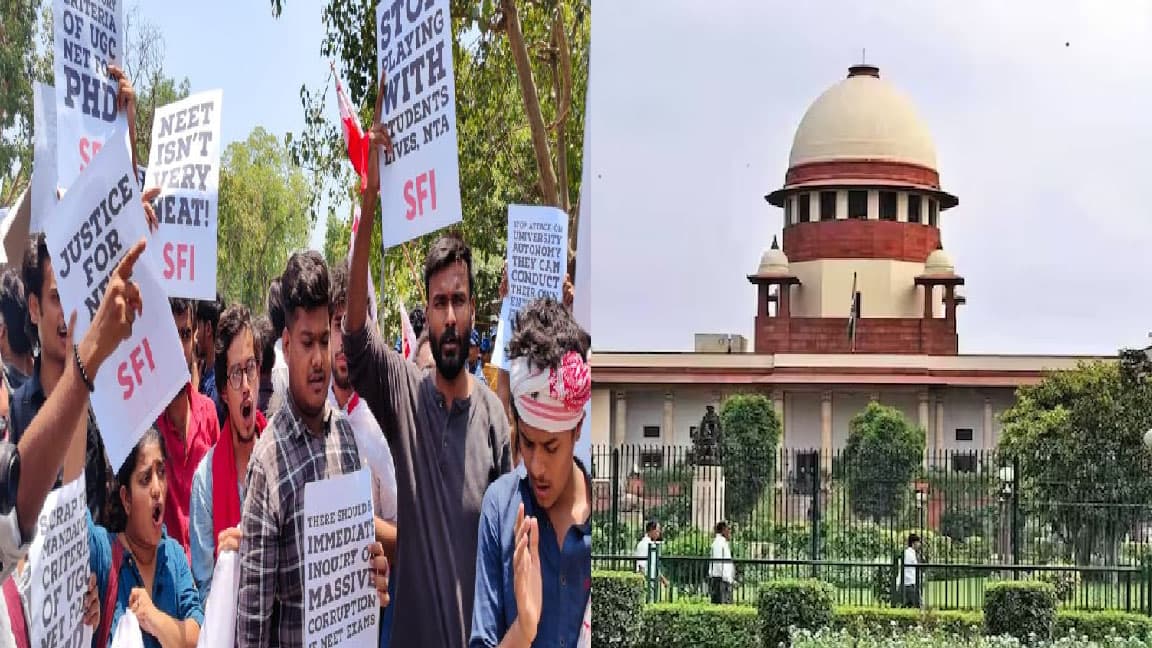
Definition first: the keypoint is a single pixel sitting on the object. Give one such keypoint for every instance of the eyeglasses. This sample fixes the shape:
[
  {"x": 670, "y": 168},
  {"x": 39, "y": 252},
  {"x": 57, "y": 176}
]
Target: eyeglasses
[
  {"x": 249, "y": 370},
  {"x": 186, "y": 333}
]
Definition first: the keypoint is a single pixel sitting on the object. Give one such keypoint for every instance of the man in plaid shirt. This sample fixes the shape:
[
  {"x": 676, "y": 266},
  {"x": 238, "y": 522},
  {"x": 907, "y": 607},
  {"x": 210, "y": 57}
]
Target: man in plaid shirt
[{"x": 305, "y": 441}]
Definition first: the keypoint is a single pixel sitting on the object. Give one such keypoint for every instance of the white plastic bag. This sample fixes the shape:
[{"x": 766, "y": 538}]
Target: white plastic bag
[
  {"x": 219, "y": 629},
  {"x": 128, "y": 634},
  {"x": 585, "y": 640}
]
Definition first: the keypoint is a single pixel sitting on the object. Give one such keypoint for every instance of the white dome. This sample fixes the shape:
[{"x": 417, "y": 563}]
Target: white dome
[
  {"x": 939, "y": 263},
  {"x": 773, "y": 261},
  {"x": 863, "y": 117}
]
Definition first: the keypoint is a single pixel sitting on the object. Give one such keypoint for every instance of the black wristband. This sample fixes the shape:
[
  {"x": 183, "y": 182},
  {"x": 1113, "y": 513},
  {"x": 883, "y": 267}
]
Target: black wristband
[{"x": 83, "y": 373}]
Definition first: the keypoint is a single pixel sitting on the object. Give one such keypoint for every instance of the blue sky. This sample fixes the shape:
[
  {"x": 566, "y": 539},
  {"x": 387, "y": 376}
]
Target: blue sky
[
  {"x": 259, "y": 61},
  {"x": 1042, "y": 118}
]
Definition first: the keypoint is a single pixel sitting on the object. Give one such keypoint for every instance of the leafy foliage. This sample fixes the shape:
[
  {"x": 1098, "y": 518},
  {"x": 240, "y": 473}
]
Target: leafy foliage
[
  {"x": 498, "y": 164},
  {"x": 879, "y": 621},
  {"x": 617, "y": 603},
  {"x": 688, "y": 625},
  {"x": 1076, "y": 440},
  {"x": 1024, "y": 609},
  {"x": 882, "y": 455},
  {"x": 20, "y": 64},
  {"x": 786, "y": 604},
  {"x": 751, "y": 433},
  {"x": 263, "y": 217}
]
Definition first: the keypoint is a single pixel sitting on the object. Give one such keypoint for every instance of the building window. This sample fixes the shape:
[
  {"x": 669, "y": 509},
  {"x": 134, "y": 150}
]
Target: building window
[
  {"x": 787, "y": 212},
  {"x": 827, "y": 205},
  {"x": 802, "y": 208},
  {"x": 651, "y": 459},
  {"x": 964, "y": 462},
  {"x": 962, "y": 434},
  {"x": 651, "y": 431},
  {"x": 858, "y": 205},
  {"x": 933, "y": 212},
  {"x": 914, "y": 208},
  {"x": 888, "y": 205}
]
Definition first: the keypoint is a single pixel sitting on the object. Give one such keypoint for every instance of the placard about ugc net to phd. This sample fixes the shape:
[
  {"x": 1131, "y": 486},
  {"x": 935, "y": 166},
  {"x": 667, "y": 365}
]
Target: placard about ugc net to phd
[
  {"x": 95, "y": 224},
  {"x": 420, "y": 183}
]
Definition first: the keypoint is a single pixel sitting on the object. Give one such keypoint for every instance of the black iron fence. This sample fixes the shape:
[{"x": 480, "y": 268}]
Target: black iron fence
[{"x": 973, "y": 511}]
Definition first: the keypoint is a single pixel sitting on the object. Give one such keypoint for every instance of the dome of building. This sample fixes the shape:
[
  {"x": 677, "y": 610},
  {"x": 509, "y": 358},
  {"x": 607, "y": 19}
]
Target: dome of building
[
  {"x": 863, "y": 118},
  {"x": 939, "y": 263},
  {"x": 773, "y": 261}
]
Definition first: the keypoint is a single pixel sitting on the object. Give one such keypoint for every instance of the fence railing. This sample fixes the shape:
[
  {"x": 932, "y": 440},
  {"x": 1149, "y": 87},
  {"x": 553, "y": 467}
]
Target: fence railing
[
  {"x": 951, "y": 586},
  {"x": 971, "y": 507}
]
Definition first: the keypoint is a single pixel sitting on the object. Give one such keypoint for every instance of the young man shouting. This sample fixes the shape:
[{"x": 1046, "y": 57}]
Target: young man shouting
[{"x": 535, "y": 536}]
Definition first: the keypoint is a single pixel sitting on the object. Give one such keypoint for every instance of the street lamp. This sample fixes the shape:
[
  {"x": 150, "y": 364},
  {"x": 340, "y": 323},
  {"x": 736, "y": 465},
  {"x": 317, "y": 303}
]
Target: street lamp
[
  {"x": 1007, "y": 475},
  {"x": 921, "y": 498}
]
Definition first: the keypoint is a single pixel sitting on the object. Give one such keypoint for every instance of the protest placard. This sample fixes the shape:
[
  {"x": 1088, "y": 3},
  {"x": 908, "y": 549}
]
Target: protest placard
[
  {"x": 97, "y": 221},
  {"x": 185, "y": 164},
  {"x": 87, "y": 38},
  {"x": 420, "y": 183},
  {"x": 43, "y": 154},
  {"x": 537, "y": 262},
  {"x": 340, "y": 604},
  {"x": 58, "y": 560}
]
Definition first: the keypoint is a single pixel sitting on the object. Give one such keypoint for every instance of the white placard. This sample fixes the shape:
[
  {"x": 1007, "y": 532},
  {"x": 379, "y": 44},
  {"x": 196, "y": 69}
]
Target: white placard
[
  {"x": 537, "y": 263},
  {"x": 58, "y": 559},
  {"x": 340, "y": 604},
  {"x": 185, "y": 163},
  {"x": 43, "y": 155},
  {"x": 420, "y": 185},
  {"x": 96, "y": 223},
  {"x": 87, "y": 37}
]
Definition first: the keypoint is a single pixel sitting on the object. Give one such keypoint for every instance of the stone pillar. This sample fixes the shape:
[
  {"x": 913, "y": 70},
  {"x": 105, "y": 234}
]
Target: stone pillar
[
  {"x": 669, "y": 429},
  {"x": 989, "y": 432},
  {"x": 950, "y": 302},
  {"x": 826, "y": 433},
  {"x": 707, "y": 496},
  {"x": 939, "y": 428},
  {"x": 926, "y": 425},
  {"x": 778, "y": 405},
  {"x": 621, "y": 422},
  {"x": 929, "y": 313}
]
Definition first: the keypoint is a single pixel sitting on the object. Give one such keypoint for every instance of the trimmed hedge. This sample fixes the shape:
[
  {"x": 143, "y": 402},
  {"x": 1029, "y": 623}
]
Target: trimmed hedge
[
  {"x": 1098, "y": 625},
  {"x": 1024, "y": 609},
  {"x": 786, "y": 604},
  {"x": 688, "y": 625},
  {"x": 617, "y": 605},
  {"x": 883, "y": 621}
]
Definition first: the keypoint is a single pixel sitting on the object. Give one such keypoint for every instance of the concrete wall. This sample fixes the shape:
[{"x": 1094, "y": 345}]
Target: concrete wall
[{"x": 887, "y": 288}]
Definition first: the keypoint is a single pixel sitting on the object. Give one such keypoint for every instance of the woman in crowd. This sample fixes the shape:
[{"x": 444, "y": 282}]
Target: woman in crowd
[{"x": 138, "y": 567}]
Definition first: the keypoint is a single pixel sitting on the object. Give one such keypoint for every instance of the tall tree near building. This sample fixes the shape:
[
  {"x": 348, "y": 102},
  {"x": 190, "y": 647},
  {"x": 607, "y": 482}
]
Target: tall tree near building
[
  {"x": 751, "y": 433},
  {"x": 882, "y": 455},
  {"x": 1077, "y": 442}
]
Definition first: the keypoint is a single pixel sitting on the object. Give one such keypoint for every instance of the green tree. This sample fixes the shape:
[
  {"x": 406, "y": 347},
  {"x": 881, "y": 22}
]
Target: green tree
[
  {"x": 144, "y": 64},
  {"x": 882, "y": 455},
  {"x": 21, "y": 63},
  {"x": 521, "y": 78},
  {"x": 750, "y": 435},
  {"x": 1076, "y": 440},
  {"x": 263, "y": 216}
]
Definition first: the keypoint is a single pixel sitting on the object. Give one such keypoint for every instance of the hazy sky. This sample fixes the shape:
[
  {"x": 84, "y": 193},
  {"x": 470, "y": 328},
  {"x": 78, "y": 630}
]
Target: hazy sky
[
  {"x": 1048, "y": 146},
  {"x": 260, "y": 62}
]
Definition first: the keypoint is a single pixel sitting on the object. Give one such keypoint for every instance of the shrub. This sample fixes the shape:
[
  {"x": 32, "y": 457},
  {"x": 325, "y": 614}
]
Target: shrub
[
  {"x": 1023, "y": 609},
  {"x": 1098, "y": 625},
  {"x": 1064, "y": 582},
  {"x": 883, "y": 453},
  {"x": 861, "y": 621},
  {"x": 787, "y": 604},
  {"x": 687, "y": 625},
  {"x": 750, "y": 434},
  {"x": 617, "y": 602}
]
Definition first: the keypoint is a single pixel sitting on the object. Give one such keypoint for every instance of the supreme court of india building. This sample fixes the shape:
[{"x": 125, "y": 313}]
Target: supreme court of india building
[{"x": 863, "y": 203}]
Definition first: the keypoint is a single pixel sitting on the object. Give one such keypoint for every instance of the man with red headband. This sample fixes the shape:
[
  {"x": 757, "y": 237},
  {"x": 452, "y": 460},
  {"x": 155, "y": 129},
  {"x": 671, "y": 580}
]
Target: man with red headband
[{"x": 535, "y": 535}]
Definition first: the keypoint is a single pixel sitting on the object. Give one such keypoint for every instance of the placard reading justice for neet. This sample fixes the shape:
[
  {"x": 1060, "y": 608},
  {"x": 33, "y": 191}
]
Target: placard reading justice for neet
[
  {"x": 95, "y": 224},
  {"x": 87, "y": 37},
  {"x": 185, "y": 164},
  {"x": 420, "y": 183}
]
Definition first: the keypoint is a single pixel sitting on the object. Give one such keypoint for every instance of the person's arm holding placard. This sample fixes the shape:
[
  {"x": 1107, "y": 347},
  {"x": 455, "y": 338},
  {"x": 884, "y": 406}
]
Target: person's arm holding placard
[
  {"x": 378, "y": 372},
  {"x": 41, "y": 453}
]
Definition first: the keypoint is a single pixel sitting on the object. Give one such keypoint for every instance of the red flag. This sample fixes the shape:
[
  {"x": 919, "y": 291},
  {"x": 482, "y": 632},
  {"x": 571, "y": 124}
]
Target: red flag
[{"x": 354, "y": 136}]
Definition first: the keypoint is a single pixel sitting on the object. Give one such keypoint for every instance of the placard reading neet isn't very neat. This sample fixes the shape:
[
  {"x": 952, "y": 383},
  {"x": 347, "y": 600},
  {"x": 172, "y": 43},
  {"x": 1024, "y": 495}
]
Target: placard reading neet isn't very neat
[
  {"x": 185, "y": 165},
  {"x": 95, "y": 224},
  {"x": 420, "y": 183}
]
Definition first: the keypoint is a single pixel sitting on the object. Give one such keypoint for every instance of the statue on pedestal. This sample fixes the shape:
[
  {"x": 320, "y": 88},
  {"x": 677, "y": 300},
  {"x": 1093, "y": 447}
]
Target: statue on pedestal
[{"x": 706, "y": 440}]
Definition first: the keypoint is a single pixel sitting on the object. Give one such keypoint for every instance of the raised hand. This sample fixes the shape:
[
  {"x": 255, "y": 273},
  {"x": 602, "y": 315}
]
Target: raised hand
[
  {"x": 149, "y": 212},
  {"x": 126, "y": 103}
]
